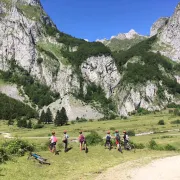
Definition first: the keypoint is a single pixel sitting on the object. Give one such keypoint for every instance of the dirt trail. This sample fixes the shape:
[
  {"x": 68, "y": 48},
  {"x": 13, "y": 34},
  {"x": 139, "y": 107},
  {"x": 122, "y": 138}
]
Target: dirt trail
[{"x": 161, "y": 169}]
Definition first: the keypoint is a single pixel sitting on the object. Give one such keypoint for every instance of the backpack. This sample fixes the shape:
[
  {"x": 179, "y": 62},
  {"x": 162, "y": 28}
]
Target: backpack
[
  {"x": 54, "y": 139},
  {"x": 118, "y": 137},
  {"x": 81, "y": 138},
  {"x": 108, "y": 138}
]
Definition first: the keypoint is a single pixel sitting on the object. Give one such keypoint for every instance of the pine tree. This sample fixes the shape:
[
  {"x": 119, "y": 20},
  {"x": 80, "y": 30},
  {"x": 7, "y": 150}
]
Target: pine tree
[
  {"x": 58, "y": 119},
  {"x": 64, "y": 116},
  {"x": 42, "y": 117},
  {"x": 48, "y": 116}
]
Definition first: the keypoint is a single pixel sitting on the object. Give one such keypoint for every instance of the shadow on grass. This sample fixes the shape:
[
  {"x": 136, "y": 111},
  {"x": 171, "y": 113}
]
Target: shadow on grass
[{"x": 68, "y": 149}]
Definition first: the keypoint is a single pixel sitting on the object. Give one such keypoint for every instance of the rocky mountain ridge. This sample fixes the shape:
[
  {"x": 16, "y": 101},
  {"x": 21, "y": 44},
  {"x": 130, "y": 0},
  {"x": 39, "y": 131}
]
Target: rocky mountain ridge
[{"x": 81, "y": 71}]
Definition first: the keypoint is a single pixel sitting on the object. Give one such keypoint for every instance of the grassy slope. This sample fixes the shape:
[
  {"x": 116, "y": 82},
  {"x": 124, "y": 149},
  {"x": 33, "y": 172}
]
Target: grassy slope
[{"x": 78, "y": 165}]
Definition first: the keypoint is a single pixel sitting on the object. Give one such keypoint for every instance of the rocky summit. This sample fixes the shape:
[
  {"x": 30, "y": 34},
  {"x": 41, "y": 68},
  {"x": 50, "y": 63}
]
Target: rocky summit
[{"x": 127, "y": 74}]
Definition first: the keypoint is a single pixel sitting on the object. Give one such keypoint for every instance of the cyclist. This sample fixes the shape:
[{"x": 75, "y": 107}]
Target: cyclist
[
  {"x": 108, "y": 139},
  {"x": 65, "y": 140},
  {"x": 117, "y": 138},
  {"x": 126, "y": 139},
  {"x": 82, "y": 140},
  {"x": 53, "y": 141}
]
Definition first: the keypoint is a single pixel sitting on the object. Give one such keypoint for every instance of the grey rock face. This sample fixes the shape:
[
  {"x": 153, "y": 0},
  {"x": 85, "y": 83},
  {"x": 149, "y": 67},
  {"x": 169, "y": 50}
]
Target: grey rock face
[
  {"x": 129, "y": 99},
  {"x": 158, "y": 25},
  {"x": 101, "y": 71},
  {"x": 170, "y": 35},
  {"x": 30, "y": 2}
]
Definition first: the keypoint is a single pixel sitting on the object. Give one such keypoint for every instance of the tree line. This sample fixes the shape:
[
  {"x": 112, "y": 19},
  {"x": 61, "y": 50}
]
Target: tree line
[{"x": 60, "y": 118}]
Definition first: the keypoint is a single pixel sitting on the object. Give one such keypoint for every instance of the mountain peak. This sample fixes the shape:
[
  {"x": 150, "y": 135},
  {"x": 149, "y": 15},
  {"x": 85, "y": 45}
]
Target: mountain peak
[{"x": 130, "y": 35}]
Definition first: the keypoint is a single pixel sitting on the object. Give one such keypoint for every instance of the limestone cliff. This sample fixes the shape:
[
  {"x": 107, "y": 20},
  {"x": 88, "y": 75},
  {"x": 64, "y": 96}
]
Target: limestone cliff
[
  {"x": 26, "y": 39},
  {"x": 168, "y": 31}
]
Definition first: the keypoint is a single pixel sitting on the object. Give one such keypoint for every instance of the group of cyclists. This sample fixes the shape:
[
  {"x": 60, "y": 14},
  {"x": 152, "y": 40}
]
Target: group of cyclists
[
  {"x": 117, "y": 140},
  {"x": 82, "y": 141}
]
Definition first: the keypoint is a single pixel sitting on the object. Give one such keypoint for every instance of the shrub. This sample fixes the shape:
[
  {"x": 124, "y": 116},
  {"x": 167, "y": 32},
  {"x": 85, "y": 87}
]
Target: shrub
[
  {"x": 142, "y": 111},
  {"x": 154, "y": 146},
  {"x": 94, "y": 138},
  {"x": 72, "y": 122},
  {"x": 176, "y": 122},
  {"x": 169, "y": 147},
  {"x": 112, "y": 128},
  {"x": 17, "y": 147},
  {"x": 131, "y": 133},
  {"x": 38, "y": 126},
  {"x": 39, "y": 60},
  {"x": 176, "y": 112},
  {"x": 138, "y": 145},
  {"x": 3, "y": 155},
  {"x": 161, "y": 122},
  {"x": 81, "y": 119}
]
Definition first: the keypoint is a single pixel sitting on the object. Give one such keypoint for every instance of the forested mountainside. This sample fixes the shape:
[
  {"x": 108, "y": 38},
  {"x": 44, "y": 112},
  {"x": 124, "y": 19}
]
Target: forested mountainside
[{"x": 51, "y": 69}]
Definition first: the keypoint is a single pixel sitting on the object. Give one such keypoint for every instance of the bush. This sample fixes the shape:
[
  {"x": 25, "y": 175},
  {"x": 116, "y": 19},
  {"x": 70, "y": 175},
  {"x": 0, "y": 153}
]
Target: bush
[
  {"x": 81, "y": 119},
  {"x": 112, "y": 128},
  {"x": 153, "y": 145},
  {"x": 138, "y": 145},
  {"x": 161, "y": 122},
  {"x": 3, "y": 155},
  {"x": 169, "y": 147},
  {"x": 176, "y": 122},
  {"x": 17, "y": 147},
  {"x": 94, "y": 138},
  {"x": 39, "y": 60},
  {"x": 38, "y": 126},
  {"x": 131, "y": 133}
]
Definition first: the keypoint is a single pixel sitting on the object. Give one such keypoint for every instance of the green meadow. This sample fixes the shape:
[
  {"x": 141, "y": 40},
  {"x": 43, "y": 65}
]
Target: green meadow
[{"x": 76, "y": 165}]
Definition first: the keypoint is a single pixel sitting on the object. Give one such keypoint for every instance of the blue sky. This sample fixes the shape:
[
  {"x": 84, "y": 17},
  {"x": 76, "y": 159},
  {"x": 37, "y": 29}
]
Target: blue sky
[{"x": 98, "y": 19}]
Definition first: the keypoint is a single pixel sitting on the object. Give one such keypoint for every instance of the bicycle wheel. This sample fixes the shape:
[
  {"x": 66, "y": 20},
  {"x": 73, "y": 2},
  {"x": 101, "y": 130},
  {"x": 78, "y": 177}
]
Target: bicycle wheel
[{"x": 120, "y": 149}]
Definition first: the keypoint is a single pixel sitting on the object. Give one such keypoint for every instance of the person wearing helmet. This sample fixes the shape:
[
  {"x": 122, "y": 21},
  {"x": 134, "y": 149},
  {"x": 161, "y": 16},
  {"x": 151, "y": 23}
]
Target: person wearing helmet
[
  {"x": 108, "y": 138},
  {"x": 126, "y": 139},
  {"x": 65, "y": 140},
  {"x": 53, "y": 141},
  {"x": 117, "y": 138},
  {"x": 82, "y": 140}
]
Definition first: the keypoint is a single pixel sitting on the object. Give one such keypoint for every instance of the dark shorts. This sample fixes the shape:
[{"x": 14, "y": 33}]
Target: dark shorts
[{"x": 52, "y": 145}]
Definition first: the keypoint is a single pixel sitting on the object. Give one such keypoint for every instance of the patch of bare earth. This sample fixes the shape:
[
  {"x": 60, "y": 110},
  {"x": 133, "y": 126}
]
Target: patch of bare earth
[{"x": 161, "y": 169}]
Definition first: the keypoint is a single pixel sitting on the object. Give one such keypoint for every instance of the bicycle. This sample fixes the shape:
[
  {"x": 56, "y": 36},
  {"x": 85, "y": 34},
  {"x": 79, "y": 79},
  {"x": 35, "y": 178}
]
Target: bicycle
[
  {"x": 120, "y": 148},
  {"x": 129, "y": 146},
  {"x": 85, "y": 147},
  {"x": 37, "y": 157}
]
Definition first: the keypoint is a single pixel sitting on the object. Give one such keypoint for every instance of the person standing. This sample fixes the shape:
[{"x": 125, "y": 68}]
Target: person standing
[
  {"x": 53, "y": 141},
  {"x": 65, "y": 140}
]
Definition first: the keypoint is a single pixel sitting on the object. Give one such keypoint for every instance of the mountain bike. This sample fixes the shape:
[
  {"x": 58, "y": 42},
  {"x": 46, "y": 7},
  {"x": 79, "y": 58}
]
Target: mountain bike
[
  {"x": 85, "y": 148},
  {"x": 129, "y": 146},
  {"x": 37, "y": 157}
]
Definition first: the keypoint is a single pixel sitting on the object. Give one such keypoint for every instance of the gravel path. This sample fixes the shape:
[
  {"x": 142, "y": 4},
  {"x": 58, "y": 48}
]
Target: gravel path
[{"x": 161, "y": 169}]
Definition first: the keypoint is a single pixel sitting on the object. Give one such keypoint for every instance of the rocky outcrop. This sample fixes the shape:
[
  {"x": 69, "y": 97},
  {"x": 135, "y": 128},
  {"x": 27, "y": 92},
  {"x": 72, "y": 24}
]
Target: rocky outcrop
[
  {"x": 170, "y": 35},
  {"x": 129, "y": 99},
  {"x": 177, "y": 78},
  {"x": 74, "y": 108},
  {"x": 11, "y": 91},
  {"x": 159, "y": 25},
  {"x": 101, "y": 71}
]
